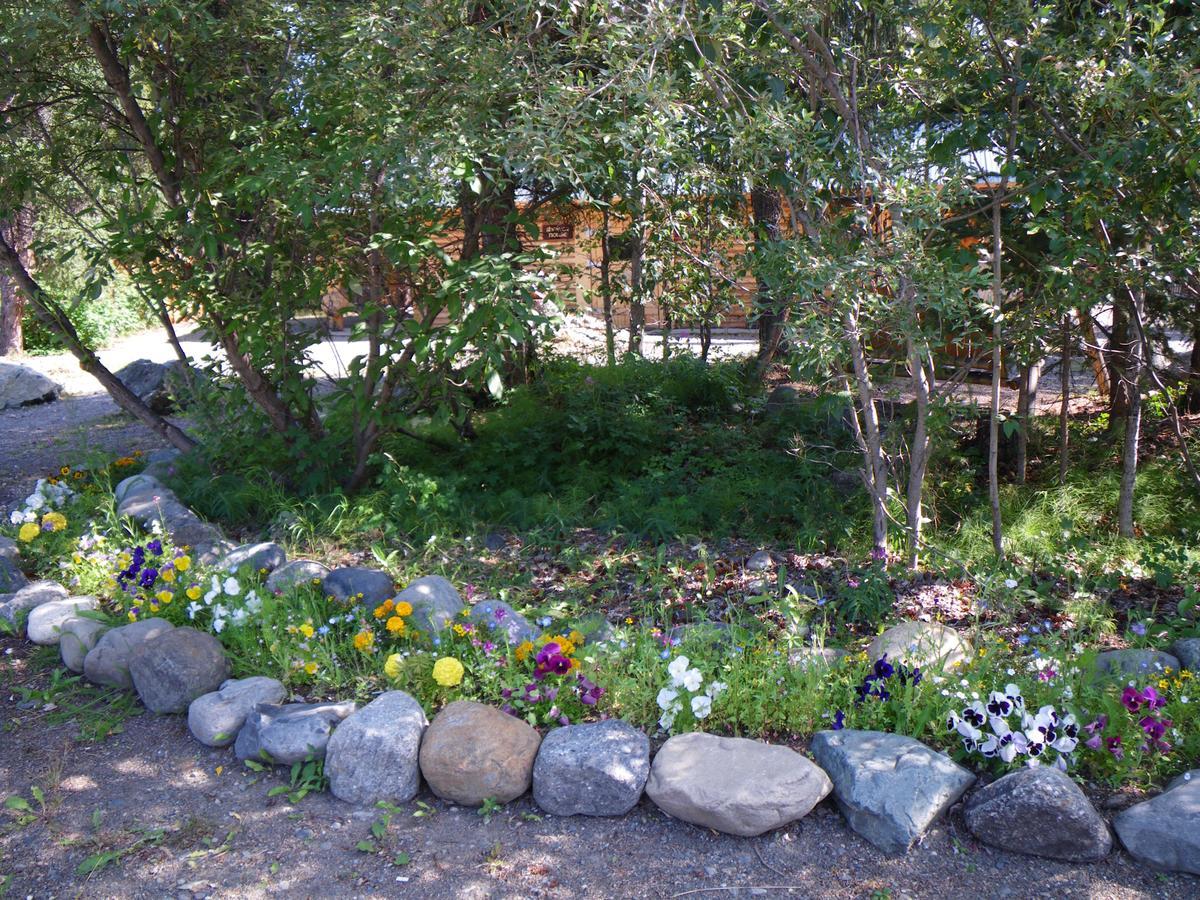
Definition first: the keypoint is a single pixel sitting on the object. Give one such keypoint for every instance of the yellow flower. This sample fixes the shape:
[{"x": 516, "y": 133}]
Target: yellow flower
[
  {"x": 164, "y": 596},
  {"x": 1163, "y": 684},
  {"x": 65, "y": 470},
  {"x": 363, "y": 641},
  {"x": 310, "y": 667},
  {"x": 566, "y": 646},
  {"x": 396, "y": 625},
  {"x": 132, "y": 616},
  {"x": 403, "y": 608},
  {"x": 576, "y": 638},
  {"x": 523, "y": 650},
  {"x": 193, "y": 593},
  {"x": 629, "y": 620},
  {"x": 448, "y": 671},
  {"x": 167, "y": 574},
  {"x": 391, "y": 668},
  {"x": 183, "y": 563},
  {"x": 307, "y": 630},
  {"x": 77, "y": 475},
  {"x": 383, "y": 609},
  {"x": 28, "y": 532},
  {"x": 56, "y": 520},
  {"x": 459, "y": 630}
]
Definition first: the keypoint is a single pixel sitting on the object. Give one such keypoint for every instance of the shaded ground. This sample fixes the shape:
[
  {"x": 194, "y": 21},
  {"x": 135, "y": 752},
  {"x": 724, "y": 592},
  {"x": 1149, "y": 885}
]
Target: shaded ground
[{"x": 194, "y": 823}]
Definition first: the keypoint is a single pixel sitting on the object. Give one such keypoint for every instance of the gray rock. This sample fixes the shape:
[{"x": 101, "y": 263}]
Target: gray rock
[
  {"x": 256, "y": 557},
  {"x": 503, "y": 620},
  {"x": 889, "y": 787},
  {"x": 760, "y": 561},
  {"x": 298, "y": 571},
  {"x": 23, "y": 386},
  {"x": 138, "y": 485},
  {"x": 924, "y": 644},
  {"x": 1162, "y": 832},
  {"x": 1041, "y": 812},
  {"x": 597, "y": 769},
  {"x": 164, "y": 508},
  {"x": 435, "y": 603},
  {"x": 172, "y": 669},
  {"x": 734, "y": 785},
  {"x": 45, "y": 621},
  {"x": 473, "y": 752},
  {"x": 108, "y": 662},
  {"x": 782, "y": 398},
  {"x": 1138, "y": 663},
  {"x": 156, "y": 384},
  {"x": 494, "y": 541},
  {"x": 214, "y": 719},
  {"x": 161, "y": 463},
  {"x": 1191, "y": 777},
  {"x": 12, "y": 579},
  {"x": 819, "y": 657},
  {"x": 9, "y": 549},
  {"x": 290, "y": 733},
  {"x": 78, "y": 637},
  {"x": 595, "y": 628},
  {"x": 1187, "y": 651},
  {"x": 373, "y": 754},
  {"x": 29, "y": 597},
  {"x": 346, "y": 583}
]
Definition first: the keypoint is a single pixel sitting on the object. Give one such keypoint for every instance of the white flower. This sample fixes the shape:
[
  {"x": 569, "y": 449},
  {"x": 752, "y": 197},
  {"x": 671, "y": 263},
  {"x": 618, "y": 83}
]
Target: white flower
[
  {"x": 232, "y": 588},
  {"x": 677, "y": 669},
  {"x": 253, "y": 603},
  {"x": 35, "y": 501},
  {"x": 692, "y": 679},
  {"x": 1010, "y": 583},
  {"x": 214, "y": 591},
  {"x": 701, "y": 706},
  {"x": 666, "y": 720},
  {"x": 16, "y": 517},
  {"x": 219, "y": 611},
  {"x": 193, "y": 608},
  {"x": 666, "y": 697},
  {"x": 1183, "y": 699},
  {"x": 239, "y": 617},
  {"x": 716, "y": 688},
  {"x": 218, "y": 625}
]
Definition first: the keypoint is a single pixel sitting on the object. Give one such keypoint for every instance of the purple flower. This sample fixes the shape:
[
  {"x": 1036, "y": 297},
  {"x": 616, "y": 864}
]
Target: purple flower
[
  {"x": 155, "y": 547},
  {"x": 499, "y": 613},
  {"x": 839, "y": 721},
  {"x": 149, "y": 576},
  {"x": 1093, "y": 743},
  {"x": 1114, "y": 747},
  {"x": 1138, "y": 628}
]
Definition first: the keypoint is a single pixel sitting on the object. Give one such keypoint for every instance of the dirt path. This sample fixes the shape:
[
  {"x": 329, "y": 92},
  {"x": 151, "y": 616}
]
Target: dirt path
[{"x": 207, "y": 829}]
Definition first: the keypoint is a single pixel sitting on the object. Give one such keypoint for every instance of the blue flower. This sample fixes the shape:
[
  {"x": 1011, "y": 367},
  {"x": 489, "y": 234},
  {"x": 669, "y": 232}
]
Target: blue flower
[
  {"x": 1023, "y": 639},
  {"x": 839, "y": 721}
]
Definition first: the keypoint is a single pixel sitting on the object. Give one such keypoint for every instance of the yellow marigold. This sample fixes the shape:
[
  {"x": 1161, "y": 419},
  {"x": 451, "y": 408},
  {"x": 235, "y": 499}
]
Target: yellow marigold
[
  {"x": 167, "y": 574},
  {"x": 308, "y": 631},
  {"x": 391, "y": 668},
  {"x": 311, "y": 667},
  {"x": 396, "y": 625},
  {"x": 193, "y": 593},
  {"x": 164, "y": 596},
  {"x": 523, "y": 650},
  {"x": 448, "y": 671},
  {"x": 383, "y": 609},
  {"x": 363, "y": 641},
  {"x": 56, "y": 520},
  {"x": 28, "y": 532},
  {"x": 576, "y": 638},
  {"x": 403, "y": 608},
  {"x": 566, "y": 646},
  {"x": 183, "y": 563},
  {"x": 459, "y": 630}
]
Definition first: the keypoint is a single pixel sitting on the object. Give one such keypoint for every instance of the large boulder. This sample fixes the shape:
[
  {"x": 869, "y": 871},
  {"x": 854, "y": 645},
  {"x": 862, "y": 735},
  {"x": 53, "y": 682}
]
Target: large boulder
[
  {"x": 1187, "y": 651},
  {"x": 1041, "y": 812},
  {"x": 816, "y": 657},
  {"x": 172, "y": 669},
  {"x": 256, "y": 557},
  {"x": 76, "y": 639},
  {"x": 45, "y": 622},
  {"x": 597, "y": 769},
  {"x": 30, "y": 597},
  {"x": 23, "y": 386},
  {"x": 889, "y": 787},
  {"x": 12, "y": 579},
  {"x": 1134, "y": 663},
  {"x": 503, "y": 620},
  {"x": 435, "y": 603},
  {"x": 290, "y": 733},
  {"x": 138, "y": 485},
  {"x": 373, "y": 754},
  {"x": 215, "y": 718},
  {"x": 924, "y": 644},
  {"x": 734, "y": 785},
  {"x": 1163, "y": 832},
  {"x": 353, "y": 583},
  {"x": 296, "y": 572},
  {"x": 107, "y": 663},
  {"x": 473, "y": 752},
  {"x": 156, "y": 384}
]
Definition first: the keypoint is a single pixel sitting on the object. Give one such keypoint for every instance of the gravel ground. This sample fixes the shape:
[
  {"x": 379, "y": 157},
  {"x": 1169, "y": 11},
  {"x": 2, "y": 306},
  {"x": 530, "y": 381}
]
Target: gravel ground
[{"x": 221, "y": 836}]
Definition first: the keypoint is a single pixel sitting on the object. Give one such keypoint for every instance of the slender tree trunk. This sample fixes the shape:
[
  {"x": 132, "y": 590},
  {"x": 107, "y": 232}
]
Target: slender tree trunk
[
  {"x": 1133, "y": 426},
  {"x": 993, "y": 459},
  {"x": 54, "y": 318},
  {"x": 870, "y": 438},
  {"x": 1064, "y": 409},
  {"x": 919, "y": 452},
  {"x": 1191, "y": 399},
  {"x": 18, "y": 231},
  {"x": 1031, "y": 376},
  {"x": 1117, "y": 355},
  {"x": 637, "y": 307},
  {"x": 766, "y": 205},
  {"x": 610, "y": 337},
  {"x": 1091, "y": 344}
]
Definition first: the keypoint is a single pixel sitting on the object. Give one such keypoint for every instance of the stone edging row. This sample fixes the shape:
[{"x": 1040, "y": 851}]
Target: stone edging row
[{"x": 889, "y": 787}]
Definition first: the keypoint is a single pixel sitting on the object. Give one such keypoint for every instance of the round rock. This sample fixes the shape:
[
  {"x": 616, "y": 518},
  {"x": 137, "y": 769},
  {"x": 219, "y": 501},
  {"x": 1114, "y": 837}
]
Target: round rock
[
  {"x": 435, "y": 603},
  {"x": 298, "y": 571},
  {"x": 45, "y": 621},
  {"x": 373, "y": 754},
  {"x": 921, "y": 644},
  {"x": 78, "y": 636},
  {"x": 1162, "y": 832},
  {"x": 472, "y": 752},
  {"x": 29, "y": 597},
  {"x": 173, "y": 669},
  {"x": 214, "y": 719},
  {"x": 597, "y": 769},
  {"x": 734, "y": 785},
  {"x": 1187, "y": 651},
  {"x": 1040, "y": 812},
  {"x": 256, "y": 557},
  {"x": 348, "y": 582},
  {"x": 108, "y": 662},
  {"x": 290, "y": 733},
  {"x": 1135, "y": 663}
]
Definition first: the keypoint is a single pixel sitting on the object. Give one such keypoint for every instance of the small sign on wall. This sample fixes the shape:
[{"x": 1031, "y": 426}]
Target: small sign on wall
[{"x": 558, "y": 231}]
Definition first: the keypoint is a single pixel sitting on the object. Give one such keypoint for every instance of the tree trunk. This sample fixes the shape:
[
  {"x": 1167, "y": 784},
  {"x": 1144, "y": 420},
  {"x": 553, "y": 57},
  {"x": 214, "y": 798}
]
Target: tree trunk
[
  {"x": 1091, "y": 346},
  {"x": 610, "y": 337},
  {"x": 18, "y": 231},
  {"x": 919, "y": 452},
  {"x": 1117, "y": 357},
  {"x": 870, "y": 439},
  {"x": 993, "y": 460},
  {"x": 54, "y": 318},
  {"x": 1132, "y": 376},
  {"x": 766, "y": 205},
  {"x": 1031, "y": 376},
  {"x": 1064, "y": 409},
  {"x": 637, "y": 308},
  {"x": 1191, "y": 399}
]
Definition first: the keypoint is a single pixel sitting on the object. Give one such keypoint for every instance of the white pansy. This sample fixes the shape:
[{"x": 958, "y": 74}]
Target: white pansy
[
  {"x": 677, "y": 669},
  {"x": 193, "y": 608},
  {"x": 666, "y": 697},
  {"x": 692, "y": 679},
  {"x": 231, "y": 586},
  {"x": 666, "y": 720},
  {"x": 218, "y": 625},
  {"x": 239, "y": 617},
  {"x": 716, "y": 688},
  {"x": 701, "y": 706},
  {"x": 253, "y": 603}
]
